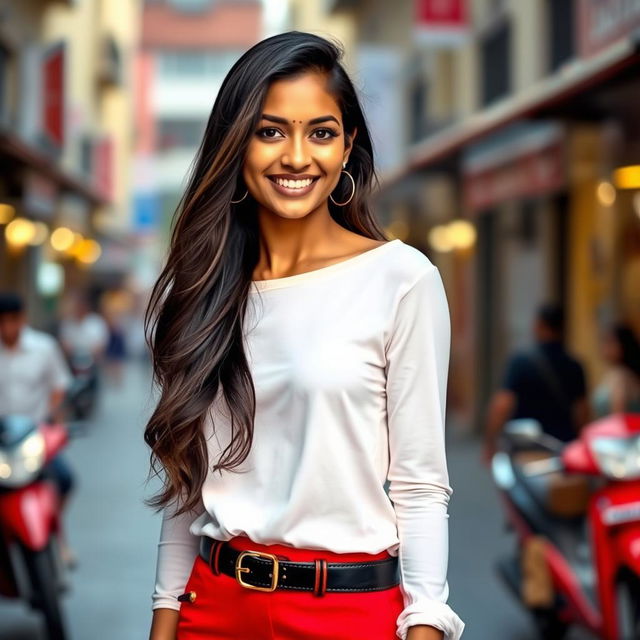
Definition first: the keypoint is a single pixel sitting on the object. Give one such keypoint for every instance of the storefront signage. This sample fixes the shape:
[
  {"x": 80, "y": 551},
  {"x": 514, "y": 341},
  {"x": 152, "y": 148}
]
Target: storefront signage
[
  {"x": 441, "y": 22},
  {"x": 533, "y": 174},
  {"x": 603, "y": 22},
  {"x": 39, "y": 195},
  {"x": 103, "y": 165}
]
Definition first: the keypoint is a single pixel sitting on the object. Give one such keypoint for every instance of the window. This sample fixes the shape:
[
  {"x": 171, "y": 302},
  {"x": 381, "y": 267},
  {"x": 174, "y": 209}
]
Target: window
[
  {"x": 561, "y": 32},
  {"x": 5, "y": 58},
  {"x": 86, "y": 154},
  {"x": 418, "y": 111},
  {"x": 179, "y": 133},
  {"x": 199, "y": 64},
  {"x": 495, "y": 51},
  {"x": 191, "y": 6}
]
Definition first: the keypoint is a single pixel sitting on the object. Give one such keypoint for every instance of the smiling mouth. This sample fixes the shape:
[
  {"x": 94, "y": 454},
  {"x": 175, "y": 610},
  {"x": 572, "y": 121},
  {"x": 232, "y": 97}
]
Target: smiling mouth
[{"x": 293, "y": 187}]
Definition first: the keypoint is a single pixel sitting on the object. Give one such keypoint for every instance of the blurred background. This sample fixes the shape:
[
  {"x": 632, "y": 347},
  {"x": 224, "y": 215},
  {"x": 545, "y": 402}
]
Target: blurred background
[{"x": 507, "y": 138}]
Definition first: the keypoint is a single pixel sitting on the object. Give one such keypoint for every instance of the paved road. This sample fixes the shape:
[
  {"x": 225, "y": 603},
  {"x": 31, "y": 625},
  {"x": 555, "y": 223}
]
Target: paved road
[
  {"x": 477, "y": 538},
  {"x": 115, "y": 535}
]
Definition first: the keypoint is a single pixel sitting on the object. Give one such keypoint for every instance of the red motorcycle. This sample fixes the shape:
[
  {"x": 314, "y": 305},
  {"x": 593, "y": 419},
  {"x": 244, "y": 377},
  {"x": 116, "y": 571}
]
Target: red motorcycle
[
  {"x": 580, "y": 505},
  {"x": 30, "y": 525}
]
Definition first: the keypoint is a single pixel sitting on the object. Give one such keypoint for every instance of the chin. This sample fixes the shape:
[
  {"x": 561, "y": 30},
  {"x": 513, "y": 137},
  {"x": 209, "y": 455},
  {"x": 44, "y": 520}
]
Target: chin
[{"x": 293, "y": 209}]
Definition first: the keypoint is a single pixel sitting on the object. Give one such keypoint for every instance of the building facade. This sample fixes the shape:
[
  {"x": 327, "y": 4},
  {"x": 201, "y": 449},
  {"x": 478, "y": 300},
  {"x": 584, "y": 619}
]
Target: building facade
[
  {"x": 513, "y": 164},
  {"x": 65, "y": 144},
  {"x": 188, "y": 46}
]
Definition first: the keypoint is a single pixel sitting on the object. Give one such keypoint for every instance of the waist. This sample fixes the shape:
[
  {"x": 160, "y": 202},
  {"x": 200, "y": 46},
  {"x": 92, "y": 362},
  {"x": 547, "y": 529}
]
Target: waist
[{"x": 267, "y": 567}]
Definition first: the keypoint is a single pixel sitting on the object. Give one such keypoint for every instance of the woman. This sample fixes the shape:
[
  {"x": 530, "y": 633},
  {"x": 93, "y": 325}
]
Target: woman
[
  {"x": 302, "y": 361},
  {"x": 619, "y": 390}
]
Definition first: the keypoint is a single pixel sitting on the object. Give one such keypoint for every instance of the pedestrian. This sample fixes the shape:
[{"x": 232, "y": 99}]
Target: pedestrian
[
  {"x": 619, "y": 389},
  {"x": 116, "y": 352},
  {"x": 302, "y": 360},
  {"x": 83, "y": 331},
  {"x": 545, "y": 383},
  {"x": 34, "y": 378}
]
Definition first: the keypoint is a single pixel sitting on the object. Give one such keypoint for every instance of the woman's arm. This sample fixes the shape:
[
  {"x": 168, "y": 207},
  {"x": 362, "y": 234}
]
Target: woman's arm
[
  {"x": 618, "y": 383},
  {"x": 417, "y": 370},
  {"x": 424, "y": 632},
  {"x": 164, "y": 624},
  {"x": 177, "y": 551}
]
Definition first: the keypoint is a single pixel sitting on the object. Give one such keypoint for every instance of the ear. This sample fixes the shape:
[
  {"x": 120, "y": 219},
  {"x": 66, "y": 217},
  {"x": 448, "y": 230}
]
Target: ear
[{"x": 349, "y": 138}]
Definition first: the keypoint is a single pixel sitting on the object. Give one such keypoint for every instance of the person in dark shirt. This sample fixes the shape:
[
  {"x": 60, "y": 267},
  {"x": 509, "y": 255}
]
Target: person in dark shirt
[{"x": 545, "y": 383}]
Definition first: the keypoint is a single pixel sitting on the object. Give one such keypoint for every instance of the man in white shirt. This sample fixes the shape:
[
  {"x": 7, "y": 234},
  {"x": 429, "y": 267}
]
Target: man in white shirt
[{"x": 33, "y": 380}]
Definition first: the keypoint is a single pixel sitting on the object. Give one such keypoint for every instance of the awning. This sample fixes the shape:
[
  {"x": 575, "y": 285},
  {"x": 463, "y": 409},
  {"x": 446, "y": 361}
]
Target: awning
[
  {"x": 24, "y": 154},
  {"x": 540, "y": 99}
]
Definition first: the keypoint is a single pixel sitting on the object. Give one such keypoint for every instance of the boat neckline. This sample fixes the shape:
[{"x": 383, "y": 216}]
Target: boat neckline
[{"x": 287, "y": 281}]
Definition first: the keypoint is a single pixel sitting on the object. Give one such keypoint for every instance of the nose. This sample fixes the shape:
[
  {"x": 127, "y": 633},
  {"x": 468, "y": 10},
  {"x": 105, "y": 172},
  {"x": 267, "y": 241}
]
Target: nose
[{"x": 296, "y": 153}]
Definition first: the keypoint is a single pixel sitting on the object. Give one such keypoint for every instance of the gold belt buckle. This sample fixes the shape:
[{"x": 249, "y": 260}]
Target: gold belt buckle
[{"x": 257, "y": 554}]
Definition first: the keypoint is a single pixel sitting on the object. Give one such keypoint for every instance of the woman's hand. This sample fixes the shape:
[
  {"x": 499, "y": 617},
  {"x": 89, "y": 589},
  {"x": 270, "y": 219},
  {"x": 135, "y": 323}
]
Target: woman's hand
[{"x": 424, "y": 632}]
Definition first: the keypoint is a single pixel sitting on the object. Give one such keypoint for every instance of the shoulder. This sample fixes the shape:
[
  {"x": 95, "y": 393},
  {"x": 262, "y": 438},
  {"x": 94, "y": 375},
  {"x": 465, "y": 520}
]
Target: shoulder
[
  {"x": 412, "y": 259},
  {"x": 408, "y": 268},
  {"x": 39, "y": 340}
]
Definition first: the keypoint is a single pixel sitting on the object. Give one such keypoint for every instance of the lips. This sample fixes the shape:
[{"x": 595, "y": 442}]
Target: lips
[{"x": 293, "y": 186}]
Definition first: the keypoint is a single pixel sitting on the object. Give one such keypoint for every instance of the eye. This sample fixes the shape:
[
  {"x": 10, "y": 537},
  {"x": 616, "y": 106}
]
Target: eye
[
  {"x": 326, "y": 133},
  {"x": 269, "y": 133}
]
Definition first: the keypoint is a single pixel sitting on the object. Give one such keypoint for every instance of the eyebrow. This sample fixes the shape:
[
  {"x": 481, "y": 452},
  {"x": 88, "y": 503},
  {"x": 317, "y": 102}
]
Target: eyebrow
[{"x": 318, "y": 120}]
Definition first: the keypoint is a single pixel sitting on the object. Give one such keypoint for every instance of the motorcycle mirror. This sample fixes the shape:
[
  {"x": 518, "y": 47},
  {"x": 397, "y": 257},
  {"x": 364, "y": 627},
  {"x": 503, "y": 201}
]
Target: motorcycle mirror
[{"x": 525, "y": 430}]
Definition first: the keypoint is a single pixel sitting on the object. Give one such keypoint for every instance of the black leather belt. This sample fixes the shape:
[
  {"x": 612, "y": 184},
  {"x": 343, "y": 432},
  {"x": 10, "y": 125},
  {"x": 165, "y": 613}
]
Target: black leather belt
[{"x": 266, "y": 572}]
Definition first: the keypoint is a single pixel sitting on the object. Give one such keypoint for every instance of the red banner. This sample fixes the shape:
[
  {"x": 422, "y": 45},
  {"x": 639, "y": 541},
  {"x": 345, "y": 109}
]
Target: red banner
[
  {"x": 103, "y": 166},
  {"x": 441, "y": 22},
  {"x": 53, "y": 107}
]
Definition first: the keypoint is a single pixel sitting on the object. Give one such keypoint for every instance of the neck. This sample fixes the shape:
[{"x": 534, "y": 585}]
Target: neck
[{"x": 285, "y": 243}]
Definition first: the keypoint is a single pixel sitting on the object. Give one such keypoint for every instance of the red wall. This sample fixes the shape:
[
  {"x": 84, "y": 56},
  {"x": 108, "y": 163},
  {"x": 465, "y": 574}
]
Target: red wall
[{"x": 225, "y": 25}]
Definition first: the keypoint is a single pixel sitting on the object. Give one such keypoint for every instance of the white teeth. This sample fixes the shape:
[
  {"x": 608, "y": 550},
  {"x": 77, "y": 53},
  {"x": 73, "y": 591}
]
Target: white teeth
[{"x": 294, "y": 184}]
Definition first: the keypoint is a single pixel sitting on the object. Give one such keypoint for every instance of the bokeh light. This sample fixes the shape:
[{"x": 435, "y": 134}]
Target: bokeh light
[
  {"x": 61, "y": 239},
  {"x": 606, "y": 193},
  {"x": 40, "y": 234},
  {"x": 20, "y": 232}
]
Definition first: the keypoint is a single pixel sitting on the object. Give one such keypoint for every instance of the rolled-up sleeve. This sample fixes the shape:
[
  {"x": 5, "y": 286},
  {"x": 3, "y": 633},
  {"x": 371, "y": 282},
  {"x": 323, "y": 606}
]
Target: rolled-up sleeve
[
  {"x": 417, "y": 366},
  {"x": 177, "y": 551}
]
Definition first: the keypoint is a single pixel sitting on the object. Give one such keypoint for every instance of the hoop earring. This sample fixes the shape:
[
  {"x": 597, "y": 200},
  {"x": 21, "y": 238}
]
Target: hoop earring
[
  {"x": 246, "y": 193},
  {"x": 353, "y": 191}
]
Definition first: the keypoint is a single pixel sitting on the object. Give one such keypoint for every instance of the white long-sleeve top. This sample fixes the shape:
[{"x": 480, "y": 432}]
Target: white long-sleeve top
[{"x": 349, "y": 364}]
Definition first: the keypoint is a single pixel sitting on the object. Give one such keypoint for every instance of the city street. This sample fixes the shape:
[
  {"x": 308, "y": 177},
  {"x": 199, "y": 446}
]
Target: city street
[
  {"x": 164, "y": 151},
  {"x": 114, "y": 534}
]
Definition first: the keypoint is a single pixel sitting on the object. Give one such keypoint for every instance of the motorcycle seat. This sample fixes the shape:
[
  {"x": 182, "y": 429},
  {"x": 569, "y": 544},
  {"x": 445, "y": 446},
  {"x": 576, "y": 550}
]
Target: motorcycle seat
[{"x": 562, "y": 495}]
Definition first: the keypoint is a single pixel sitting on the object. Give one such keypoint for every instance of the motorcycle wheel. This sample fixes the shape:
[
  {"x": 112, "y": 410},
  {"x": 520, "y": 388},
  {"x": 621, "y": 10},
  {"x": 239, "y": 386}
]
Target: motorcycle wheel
[
  {"x": 549, "y": 625},
  {"x": 46, "y": 590},
  {"x": 628, "y": 608}
]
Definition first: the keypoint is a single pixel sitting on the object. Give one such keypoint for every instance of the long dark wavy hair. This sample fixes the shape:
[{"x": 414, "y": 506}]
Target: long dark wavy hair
[{"x": 194, "y": 319}]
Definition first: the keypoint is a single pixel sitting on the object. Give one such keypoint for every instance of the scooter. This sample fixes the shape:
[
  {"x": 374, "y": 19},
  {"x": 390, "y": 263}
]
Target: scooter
[
  {"x": 31, "y": 567},
  {"x": 580, "y": 503}
]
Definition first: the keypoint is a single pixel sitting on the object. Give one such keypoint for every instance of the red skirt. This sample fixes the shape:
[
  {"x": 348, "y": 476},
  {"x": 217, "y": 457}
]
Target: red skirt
[{"x": 225, "y": 610}]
